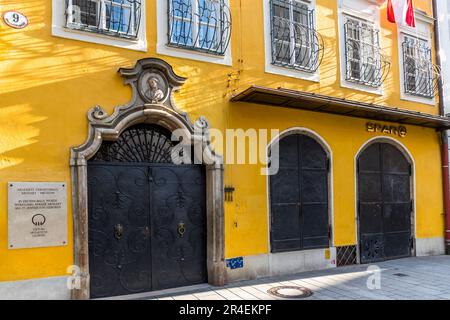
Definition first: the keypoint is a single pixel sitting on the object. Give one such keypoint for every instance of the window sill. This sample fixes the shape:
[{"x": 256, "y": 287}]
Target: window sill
[
  {"x": 292, "y": 73},
  {"x": 168, "y": 50},
  {"x": 412, "y": 98},
  {"x": 73, "y": 34},
  {"x": 362, "y": 88}
]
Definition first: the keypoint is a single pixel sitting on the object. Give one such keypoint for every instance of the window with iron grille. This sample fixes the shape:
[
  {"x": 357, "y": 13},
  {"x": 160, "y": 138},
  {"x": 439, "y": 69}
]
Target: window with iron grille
[
  {"x": 201, "y": 25},
  {"x": 295, "y": 42},
  {"x": 364, "y": 62},
  {"x": 120, "y": 18},
  {"x": 418, "y": 69}
]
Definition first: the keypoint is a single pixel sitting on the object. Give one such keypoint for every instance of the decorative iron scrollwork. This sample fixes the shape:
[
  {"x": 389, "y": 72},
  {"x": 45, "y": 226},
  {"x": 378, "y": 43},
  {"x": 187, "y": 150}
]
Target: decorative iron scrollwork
[
  {"x": 420, "y": 75},
  {"x": 181, "y": 229},
  {"x": 118, "y": 231},
  {"x": 365, "y": 62},
  {"x": 201, "y": 25},
  {"x": 139, "y": 143},
  {"x": 120, "y": 18},
  {"x": 295, "y": 42}
]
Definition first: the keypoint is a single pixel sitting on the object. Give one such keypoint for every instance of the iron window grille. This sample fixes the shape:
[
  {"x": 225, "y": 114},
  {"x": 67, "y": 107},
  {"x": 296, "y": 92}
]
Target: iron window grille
[
  {"x": 200, "y": 25},
  {"x": 119, "y": 18},
  {"x": 295, "y": 42},
  {"x": 419, "y": 72},
  {"x": 365, "y": 63}
]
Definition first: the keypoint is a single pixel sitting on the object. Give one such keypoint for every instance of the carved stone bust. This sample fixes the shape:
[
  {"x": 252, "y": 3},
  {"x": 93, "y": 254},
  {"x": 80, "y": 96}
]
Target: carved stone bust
[
  {"x": 153, "y": 87},
  {"x": 153, "y": 92}
]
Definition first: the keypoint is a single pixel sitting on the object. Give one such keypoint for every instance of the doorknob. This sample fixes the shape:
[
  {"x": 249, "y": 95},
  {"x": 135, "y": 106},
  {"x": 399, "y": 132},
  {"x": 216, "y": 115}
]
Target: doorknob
[
  {"x": 181, "y": 229},
  {"x": 118, "y": 231}
]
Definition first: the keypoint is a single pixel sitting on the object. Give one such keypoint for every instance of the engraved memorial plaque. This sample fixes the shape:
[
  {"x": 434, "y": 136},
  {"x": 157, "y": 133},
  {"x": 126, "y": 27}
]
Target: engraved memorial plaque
[{"x": 37, "y": 214}]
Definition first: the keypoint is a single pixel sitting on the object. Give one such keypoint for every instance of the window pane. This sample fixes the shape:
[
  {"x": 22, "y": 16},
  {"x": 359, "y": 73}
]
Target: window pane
[
  {"x": 281, "y": 34},
  {"x": 182, "y": 8},
  {"x": 182, "y": 24},
  {"x": 282, "y": 52},
  {"x": 118, "y": 17},
  {"x": 209, "y": 28},
  {"x": 301, "y": 14},
  {"x": 181, "y": 32},
  {"x": 280, "y": 11},
  {"x": 207, "y": 37},
  {"x": 208, "y": 11},
  {"x": 85, "y": 12}
]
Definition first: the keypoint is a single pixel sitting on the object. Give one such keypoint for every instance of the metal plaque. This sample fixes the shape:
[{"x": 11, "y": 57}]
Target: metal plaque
[{"x": 37, "y": 214}]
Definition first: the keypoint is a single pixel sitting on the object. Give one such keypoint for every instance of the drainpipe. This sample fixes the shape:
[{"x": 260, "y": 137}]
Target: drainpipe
[{"x": 443, "y": 135}]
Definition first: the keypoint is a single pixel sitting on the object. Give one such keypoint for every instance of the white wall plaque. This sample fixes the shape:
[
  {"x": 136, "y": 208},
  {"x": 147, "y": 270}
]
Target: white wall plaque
[
  {"x": 15, "y": 19},
  {"x": 37, "y": 214}
]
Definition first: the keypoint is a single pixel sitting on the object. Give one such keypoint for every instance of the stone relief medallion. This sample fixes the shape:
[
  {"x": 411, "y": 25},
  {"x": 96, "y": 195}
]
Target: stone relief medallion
[{"x": 153, "y": 87}]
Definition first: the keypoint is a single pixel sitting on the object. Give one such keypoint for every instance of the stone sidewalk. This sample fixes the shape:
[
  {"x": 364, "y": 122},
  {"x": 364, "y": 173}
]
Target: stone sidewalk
[{"x": 404, "y": 279}]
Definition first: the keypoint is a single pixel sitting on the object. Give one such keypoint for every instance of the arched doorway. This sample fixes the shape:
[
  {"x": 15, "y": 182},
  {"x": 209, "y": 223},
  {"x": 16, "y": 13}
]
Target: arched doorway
[
  {"x": 122, "y": 142},
  {"x": 146, "y": 216},
  {"x": 384, "y": 203},
  {"x": 299, "y": 195}
]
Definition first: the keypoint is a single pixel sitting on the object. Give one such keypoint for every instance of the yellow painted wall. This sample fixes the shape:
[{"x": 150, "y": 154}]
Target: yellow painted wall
[
  {"x": 345, "y": 136},
  {"x": 47, "y": 84}
]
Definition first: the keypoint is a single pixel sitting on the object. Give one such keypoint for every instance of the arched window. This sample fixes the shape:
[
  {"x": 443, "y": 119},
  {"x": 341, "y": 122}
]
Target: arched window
[{"x": 299, "y": 196}]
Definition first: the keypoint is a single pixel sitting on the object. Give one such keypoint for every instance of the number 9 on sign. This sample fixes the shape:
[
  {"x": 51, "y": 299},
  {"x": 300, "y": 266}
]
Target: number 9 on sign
[{"x": 15, "y": 19}]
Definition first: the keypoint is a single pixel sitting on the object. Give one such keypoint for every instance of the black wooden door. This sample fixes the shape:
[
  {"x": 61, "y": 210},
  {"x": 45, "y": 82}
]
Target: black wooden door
[
  {"x": 146, "y": 227},
  {"x": 119, "y": 230},
  {"x": 299, "y": 196},
  {"x": 178, "y": 220},
  {"x": 385, "y": 204}
]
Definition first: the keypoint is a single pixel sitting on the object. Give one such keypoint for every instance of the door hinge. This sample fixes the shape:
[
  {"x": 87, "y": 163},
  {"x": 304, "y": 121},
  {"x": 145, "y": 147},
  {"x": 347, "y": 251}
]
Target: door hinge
[
  {"x": 328, "y": 164},
  {"x": 411, "y": 205}
]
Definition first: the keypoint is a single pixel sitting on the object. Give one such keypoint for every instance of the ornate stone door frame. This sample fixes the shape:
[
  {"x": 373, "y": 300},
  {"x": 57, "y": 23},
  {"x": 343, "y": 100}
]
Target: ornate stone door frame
[{"x": 152, "y": 81}]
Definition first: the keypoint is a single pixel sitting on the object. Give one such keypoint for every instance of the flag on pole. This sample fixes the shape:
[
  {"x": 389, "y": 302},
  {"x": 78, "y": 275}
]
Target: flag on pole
[{"x": 401, "y": 12}]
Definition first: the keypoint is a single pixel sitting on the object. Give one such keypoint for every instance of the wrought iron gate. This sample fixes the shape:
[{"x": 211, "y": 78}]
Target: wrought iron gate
[
  {"x": 147, "y": 228},
  {"x": 299, "y": 196},
  {"x": 385, "y": 204}
]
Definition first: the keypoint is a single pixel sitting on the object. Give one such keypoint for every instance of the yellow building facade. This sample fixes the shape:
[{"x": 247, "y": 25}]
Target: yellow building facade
[{"x": 52, "y": 72}]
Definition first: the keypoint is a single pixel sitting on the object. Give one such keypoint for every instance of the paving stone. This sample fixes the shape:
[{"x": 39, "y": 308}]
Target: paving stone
[{"x": 428, "y": 278}]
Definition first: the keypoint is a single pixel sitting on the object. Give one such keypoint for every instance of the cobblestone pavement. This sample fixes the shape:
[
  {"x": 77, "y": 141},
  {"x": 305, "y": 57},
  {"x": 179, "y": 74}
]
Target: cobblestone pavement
[{"x": 404, "y": 279}]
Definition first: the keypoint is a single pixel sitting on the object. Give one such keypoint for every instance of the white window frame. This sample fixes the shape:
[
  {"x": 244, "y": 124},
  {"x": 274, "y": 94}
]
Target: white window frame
[
  {"x": 59, "y": 29},
  {"x": 423, "y": 32},
  {"x": 371, "y": 16},
  {"x": 163, "y": 47},
  {"x": 280, "y": 70},
  {"x": 101, "y": 7}
]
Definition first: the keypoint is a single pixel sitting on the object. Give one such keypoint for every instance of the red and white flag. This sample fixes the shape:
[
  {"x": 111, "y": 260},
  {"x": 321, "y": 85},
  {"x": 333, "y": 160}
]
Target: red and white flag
[{"x": 401, "y": 12}]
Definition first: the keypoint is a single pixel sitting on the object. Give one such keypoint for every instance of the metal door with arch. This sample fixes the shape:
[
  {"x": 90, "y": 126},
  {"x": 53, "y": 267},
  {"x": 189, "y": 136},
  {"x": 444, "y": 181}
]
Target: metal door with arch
[
  {"x": 299, "y": 216},
  {"x": 384, "y": 203},
  {"x": 147, "y": 220}
]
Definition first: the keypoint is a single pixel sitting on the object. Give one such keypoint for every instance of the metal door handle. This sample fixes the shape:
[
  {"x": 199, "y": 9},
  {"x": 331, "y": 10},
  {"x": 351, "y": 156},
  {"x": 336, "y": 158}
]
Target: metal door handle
[
  {"x": 146, "y": 232},
  {"x": 181, "y": 229},
  {"x": 118, "y": 231}
]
